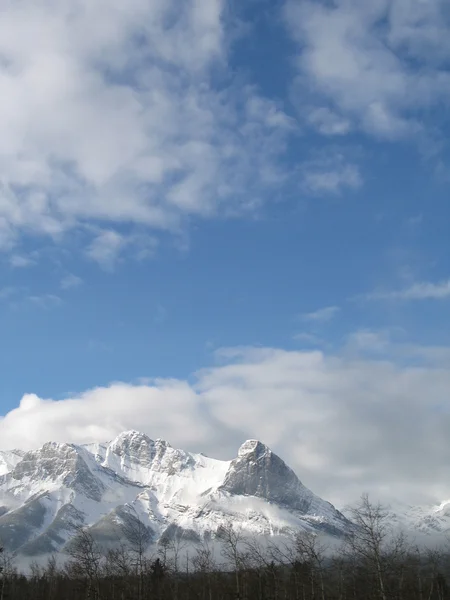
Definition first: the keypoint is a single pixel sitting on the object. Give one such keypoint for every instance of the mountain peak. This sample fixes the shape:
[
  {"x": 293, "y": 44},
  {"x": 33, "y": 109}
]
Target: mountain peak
[
  {"x": 49, "y": 488},
  {"x": 59, "y": 462},
  {"x": 253, "y": 447},
  {"x": 132, "y": 434},
  {"x": 134, "y": 438},
  {"x": 257, "y": 471},
  {"x": 134, "y": 446}
]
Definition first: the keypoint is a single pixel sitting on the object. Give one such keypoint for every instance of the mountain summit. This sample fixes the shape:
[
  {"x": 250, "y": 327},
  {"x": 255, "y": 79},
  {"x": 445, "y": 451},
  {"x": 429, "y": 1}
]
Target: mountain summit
[
  {"x": 46, "y": 492},
  {"x": 257, "y": 471}
]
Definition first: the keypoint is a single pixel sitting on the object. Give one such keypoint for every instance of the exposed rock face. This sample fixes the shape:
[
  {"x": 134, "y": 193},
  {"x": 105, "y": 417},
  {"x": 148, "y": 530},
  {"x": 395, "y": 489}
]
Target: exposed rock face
[
  {"x": 59, "y": 462},
  {"x": 133, "y": 448},
  {"x": 113, "y": 487},
  {"x": 257, "y": 471},
  {"x": 51, "y": 539},
  {"x": 16, "y": 528}
]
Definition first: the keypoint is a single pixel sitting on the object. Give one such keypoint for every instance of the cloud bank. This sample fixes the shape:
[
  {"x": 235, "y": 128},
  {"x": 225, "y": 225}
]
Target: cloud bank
[{"x": 346, "y": 422}]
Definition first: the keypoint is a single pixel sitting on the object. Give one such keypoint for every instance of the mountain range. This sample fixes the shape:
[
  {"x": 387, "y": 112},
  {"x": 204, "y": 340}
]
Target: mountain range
[
  {"x": 44, "y": 493},
  {"x": 106, "y": 487}
]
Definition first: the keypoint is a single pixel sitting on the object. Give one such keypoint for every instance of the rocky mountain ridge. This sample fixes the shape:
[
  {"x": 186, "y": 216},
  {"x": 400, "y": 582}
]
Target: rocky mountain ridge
[{"x": 46, "y": 492}]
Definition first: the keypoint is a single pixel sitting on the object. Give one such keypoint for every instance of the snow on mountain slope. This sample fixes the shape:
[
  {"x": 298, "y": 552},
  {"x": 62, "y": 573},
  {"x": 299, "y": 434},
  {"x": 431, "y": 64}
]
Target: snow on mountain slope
[
  {"x": 258, "y": 472},
  {"x": 428, "y": 519},
  {"x": 45, "y": 493},
  {"x": 9, "y": 459}
]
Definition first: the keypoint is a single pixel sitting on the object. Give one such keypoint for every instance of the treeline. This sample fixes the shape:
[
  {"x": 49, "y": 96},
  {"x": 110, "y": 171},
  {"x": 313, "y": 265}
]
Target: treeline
[{"x": 372, "y": 563}]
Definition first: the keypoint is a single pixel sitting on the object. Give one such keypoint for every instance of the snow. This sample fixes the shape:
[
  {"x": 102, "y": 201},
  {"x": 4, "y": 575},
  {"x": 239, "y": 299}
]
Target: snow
[
  {"x": 9, "y": 459},
  {"x": 165, "y": 486},
  {"x": 161, "y": 484},
  {"x": 248, "y": 447}
]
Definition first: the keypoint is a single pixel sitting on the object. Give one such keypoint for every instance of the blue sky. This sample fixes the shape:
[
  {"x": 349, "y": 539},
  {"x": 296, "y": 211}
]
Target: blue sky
[
  {"x": 188, "y": 178},
  {"x": 237, "y": 282}
]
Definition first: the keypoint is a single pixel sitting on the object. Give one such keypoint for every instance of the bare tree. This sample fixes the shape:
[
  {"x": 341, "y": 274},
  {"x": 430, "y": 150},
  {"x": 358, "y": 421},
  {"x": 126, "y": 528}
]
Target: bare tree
[
  {"x": 310, "y": 550},
  {"x": 170, "y": 550},
  {"x": 7, "y": 570},
  {"x": 86, "y": 561},
  {"x": 139, "y": 537},
  {"x": 118, "y": 568},
  {"x": 36, "y": 571},
  {"x": 51, "y": 572},
  {"x": 369, "y": 539},
  {"x": 119, "y": 562},
  {"x": 205, "y": 564},
  {"x": 175, "y": 547},
  {"x": 158, "y": 574},
  {"x": 286, "y": 554},
  {"x": 232, "y": 540},
  {"x": 266, "y": 563}
]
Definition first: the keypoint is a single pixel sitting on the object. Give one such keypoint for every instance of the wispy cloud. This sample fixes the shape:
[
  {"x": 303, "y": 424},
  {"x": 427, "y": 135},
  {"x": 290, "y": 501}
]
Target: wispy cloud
[
  {"x": 413, "y": 223},
  {"x": 356, "y": 59},
  {"x": 128, "y": 125},
  {"x": 367, "y": 340},
  {"x": 321, "y": 315},
  {"x": 45, "y": 301},
  {"x": 309, "y": 338},
  {"x": 392, "y": 343},
  {"x": 98, "y": 346},
  {"x": 330, "y": 174},
  {"x": 18, "y": 261},
  {"x": 328, "y": 122},
  {"x": 418, "y": 291},
  {"x": 70, "y": 281},
  {"x": 106, "y": 247}
]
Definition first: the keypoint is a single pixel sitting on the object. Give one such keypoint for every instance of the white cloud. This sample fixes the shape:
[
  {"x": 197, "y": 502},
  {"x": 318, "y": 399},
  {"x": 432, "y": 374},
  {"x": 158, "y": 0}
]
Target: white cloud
[
  {"x": 418, "y": 291},
  {"x": 331, "y": 174},
  {"x": 112, "y": 113},
  {"x": 345, "y": 423},
  {"x": 390, "y": 343},
  {"x": 106, "y": 247},
  {"x": 18, "y": 261},
  {"x": 70, "y": 281},
  {"x": 98, "y": 346},
  {"x": 45, "y": 301},
  {"x": 109, "y": 411},
  {"x": 309, "y": 338},
  {"x": 378, "y": 65},
  {"x": 328, "y": 122},
  {"x": 366, "y": 340},
  {"x": 414, "y": 223},
  {"x": 322, "y": 314}
]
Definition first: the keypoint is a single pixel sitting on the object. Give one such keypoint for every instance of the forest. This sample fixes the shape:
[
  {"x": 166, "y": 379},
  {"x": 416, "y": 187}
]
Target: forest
[{"x": 373, "y": 562}]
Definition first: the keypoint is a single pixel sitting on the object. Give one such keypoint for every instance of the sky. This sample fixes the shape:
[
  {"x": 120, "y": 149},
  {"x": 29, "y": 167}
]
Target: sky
[{"x": 224, "y": 220}]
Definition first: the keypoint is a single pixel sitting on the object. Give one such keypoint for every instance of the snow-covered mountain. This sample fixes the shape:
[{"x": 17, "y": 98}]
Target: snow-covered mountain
[
  {"x": 426, "y": 520},
  {"x": 44, "y": 493}
]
